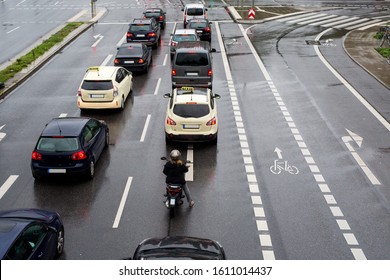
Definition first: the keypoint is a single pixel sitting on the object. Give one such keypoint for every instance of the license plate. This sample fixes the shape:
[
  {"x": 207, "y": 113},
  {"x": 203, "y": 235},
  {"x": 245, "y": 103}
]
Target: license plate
[
  {"x": 56, "y": 171},
  {"x": 97, "y": 95},
  {"x": 191, "y": 126},
  {"x": 172, "y": 201},
  {"x": 140, "y": 35},
  {"x": 192, "y": 74},
  {"x": 129, "y": 62},
  {"x": 199, "y": 31}
]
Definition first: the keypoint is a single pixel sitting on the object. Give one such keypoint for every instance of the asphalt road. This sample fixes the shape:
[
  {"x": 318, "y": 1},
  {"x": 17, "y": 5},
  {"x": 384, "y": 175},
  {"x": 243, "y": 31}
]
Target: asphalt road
[{"x": 281, "y": 183}]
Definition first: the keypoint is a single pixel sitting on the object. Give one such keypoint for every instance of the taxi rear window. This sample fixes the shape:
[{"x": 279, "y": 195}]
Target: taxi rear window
[
  {"x": 97, "y": 85},
  {"x": 191, "y": 110}
]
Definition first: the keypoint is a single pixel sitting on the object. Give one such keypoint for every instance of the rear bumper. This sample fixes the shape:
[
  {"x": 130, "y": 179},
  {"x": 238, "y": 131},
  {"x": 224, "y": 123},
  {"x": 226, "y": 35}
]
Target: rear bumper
[
  {"x": 191, "y": 137},
  {"x": 179, "y": 81},
  {"x": 114, "y": 104},
  {"x": 39, "y": 170}
]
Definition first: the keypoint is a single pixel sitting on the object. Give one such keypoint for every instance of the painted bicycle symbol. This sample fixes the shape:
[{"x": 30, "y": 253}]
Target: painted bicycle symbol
[{"x": 282, "y": 165}]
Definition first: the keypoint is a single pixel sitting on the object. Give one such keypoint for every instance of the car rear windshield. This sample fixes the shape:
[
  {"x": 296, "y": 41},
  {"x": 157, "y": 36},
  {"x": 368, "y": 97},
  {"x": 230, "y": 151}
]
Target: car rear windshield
[
  {"x": 195, "y": 11},
  {"x": 130, "y": 50},
  {"x": 192, "y": 59},
  {"x": 191, "y": 110},
  {"x": 184, "y": 38},
  {"x": 139, "y": 27},
  {"x": 198, "y": 25},
  {"x": 58, "y": 144},
  {"x": 97, "y": 85},
  {"x": 152, "y": 14}
]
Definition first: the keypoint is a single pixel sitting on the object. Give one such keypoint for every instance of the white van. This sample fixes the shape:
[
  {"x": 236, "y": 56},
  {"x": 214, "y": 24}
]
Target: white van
[{"x": 193, "y": 11}]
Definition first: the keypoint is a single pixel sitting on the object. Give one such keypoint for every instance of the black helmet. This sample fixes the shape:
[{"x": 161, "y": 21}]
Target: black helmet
[{"x": 175, "y": 155}]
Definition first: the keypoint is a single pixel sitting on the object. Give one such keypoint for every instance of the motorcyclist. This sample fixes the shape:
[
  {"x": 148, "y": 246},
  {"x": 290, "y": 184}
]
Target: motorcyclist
[{"x": 175, "y": 171}]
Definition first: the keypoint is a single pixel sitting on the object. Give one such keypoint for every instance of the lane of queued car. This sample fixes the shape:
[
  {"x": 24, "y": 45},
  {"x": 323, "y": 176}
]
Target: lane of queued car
[
  {"x": 158, "y": 14},
  {"x": 181, "y": 35},
  {"x": 70, "y": 145},
  {"x": 144, "y": 30},
  {"x": 135, "y": 57},
  {"x": 202, "y": 27},
  {"x": 31, "y": 234}
]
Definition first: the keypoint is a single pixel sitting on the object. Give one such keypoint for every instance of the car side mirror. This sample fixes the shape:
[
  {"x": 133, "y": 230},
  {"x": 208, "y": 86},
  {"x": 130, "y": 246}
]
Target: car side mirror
[
  {"x": 216, "y": 96},
  {"x": 167, "y": 95},
  {"x": 182, "y": 9},
  {"x": 212, "y": 50}
]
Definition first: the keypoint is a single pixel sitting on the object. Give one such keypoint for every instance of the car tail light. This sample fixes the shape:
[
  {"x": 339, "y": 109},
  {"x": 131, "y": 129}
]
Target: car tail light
[
  {"x": 79, "y": 92},
  {"x": 170, "y": 121},
  {"x": 116, "y": 61},
  {"x": 210, "y": 72},
  {"x": 36, "y": 156},
  {"x": 80, "y": 155},
  {"x": 129, "y": 35},
  {"x": 213, "y": 121},
  {"x": 141, "y": 60},
  {"x": 152, "y": 34},
  {"x": 173, "y": 72},
  {"x": 161, "y": 18},
  {"x": 207, "y": 29},
  {"x": 173, "y": 43},
  {"x": 115, "y": 91}
]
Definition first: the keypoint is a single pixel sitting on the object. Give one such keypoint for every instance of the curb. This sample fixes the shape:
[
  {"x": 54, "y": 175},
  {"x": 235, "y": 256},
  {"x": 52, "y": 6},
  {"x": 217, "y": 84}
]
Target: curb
[{"x": 20, "y": 77}]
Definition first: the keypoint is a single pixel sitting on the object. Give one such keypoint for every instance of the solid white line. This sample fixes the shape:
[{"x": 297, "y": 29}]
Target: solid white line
[
  {"x": 108, "y": 58},
  {"x": 145, "y": 128},
  {"x": 157, "y": 86},
  {"x": 348, "y": 86},
  {"x": 121, "y": 41},
  {"x": 122, "y": 203},
  {"x": 189, "y": 176},
  {"x": 7, "y": 184},
  {"x": 13, "y": 29}
]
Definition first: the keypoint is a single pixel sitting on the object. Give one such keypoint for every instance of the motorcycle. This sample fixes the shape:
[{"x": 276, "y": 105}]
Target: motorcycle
[{"x": 174, "y": 195}]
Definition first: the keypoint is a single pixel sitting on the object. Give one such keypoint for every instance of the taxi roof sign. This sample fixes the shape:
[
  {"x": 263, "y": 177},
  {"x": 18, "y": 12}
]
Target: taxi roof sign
[{"x": 187, "y": 88}]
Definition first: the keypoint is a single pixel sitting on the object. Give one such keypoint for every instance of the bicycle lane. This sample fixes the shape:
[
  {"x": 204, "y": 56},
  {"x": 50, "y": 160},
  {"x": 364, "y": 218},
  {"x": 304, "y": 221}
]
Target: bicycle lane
[{"x": 303, "y": 217}]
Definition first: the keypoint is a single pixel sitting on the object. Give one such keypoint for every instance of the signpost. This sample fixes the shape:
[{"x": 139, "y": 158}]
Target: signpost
[{"x": 251, "y": 13}]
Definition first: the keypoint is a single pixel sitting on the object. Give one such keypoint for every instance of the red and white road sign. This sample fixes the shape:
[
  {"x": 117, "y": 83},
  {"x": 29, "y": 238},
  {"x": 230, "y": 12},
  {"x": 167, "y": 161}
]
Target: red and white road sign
[{"x": 251, "y": 13}]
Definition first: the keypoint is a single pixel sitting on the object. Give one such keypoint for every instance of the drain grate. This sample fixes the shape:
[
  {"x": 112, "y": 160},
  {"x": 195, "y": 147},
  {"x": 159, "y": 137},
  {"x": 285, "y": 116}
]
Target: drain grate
[{"x": 312, "y": 42}]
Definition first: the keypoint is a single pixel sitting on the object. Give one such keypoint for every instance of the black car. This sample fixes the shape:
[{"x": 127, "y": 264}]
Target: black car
[
  {"x": 69, "y": 146},
  {"x": 158, "y": 14},
  {"x": 135, "y": 57},
  {"x": 145, "y": 31},
  {"x": 31, "y": 234},
  {"x": 179, "y": 247},
  {"x": 202, "y": 27}
]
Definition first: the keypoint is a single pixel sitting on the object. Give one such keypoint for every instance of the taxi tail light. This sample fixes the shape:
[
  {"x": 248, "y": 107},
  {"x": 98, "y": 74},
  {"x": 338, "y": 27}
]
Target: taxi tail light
[
  {"x": 36, "y": 156},
  {"x": 115, "y": 91},
  {"x": 79, "y": 92},
  {"x": 210, "y": 72},
  {"x": 80, "y": 155},
  {"x": 213, "y": 121},
  {"x": 141, "y": 60},
  {"x": 173, "y": 72},
  {"x": 170, "y": 121}
]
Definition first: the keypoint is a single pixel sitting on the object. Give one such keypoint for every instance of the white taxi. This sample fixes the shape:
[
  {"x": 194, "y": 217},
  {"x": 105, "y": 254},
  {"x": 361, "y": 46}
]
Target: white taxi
[
  {"x": 105, "y": 87},
  {"x": 191, "y": 115}
]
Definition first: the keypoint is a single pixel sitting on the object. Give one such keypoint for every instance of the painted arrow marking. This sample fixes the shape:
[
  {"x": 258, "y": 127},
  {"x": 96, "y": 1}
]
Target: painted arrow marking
[
  {"x": 356, "y": 138},
  {"x": 2, "y": 134},
  {"x": 278, "y": 152},
  {"x": 98, "y": 37}
]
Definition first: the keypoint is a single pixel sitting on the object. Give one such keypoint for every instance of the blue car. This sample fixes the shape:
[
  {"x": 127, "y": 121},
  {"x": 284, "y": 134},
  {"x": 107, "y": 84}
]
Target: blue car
[
  {"x": 69, "y": 146},
  {"x": 31, "y": 234}
]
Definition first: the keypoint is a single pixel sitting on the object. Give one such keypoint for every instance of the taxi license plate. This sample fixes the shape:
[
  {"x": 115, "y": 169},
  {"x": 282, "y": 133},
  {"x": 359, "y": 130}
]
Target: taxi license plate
[
  {"x": 190, "y": 126},
  {"x": 96, "y": 95},
  {"x": 56, "y": 171}
]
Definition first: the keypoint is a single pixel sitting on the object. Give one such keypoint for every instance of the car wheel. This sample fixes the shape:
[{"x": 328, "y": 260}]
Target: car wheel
[
  {"x": 123, "y": 103},
  {"x": 107, "y": 139},
  {"x": 91, "y": 170},
  {"x": 215, "y": 140},
  {"x": 60, "y": 242}
]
